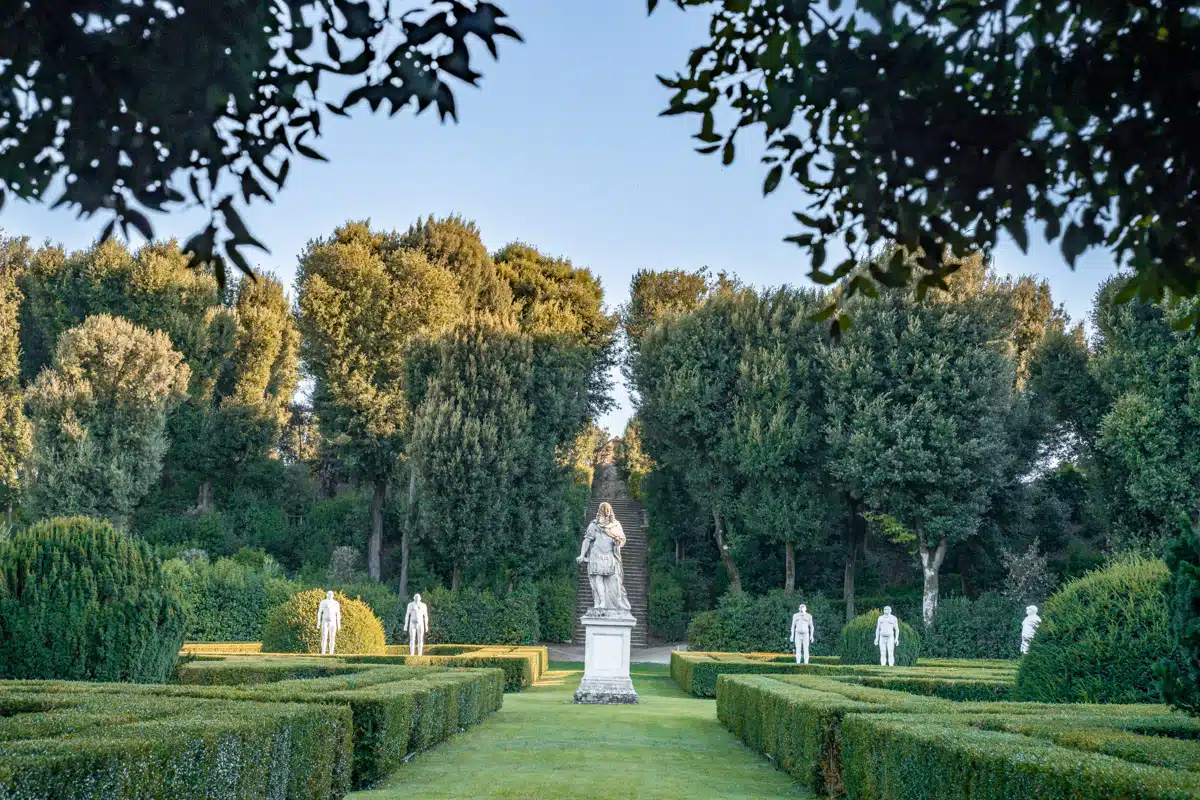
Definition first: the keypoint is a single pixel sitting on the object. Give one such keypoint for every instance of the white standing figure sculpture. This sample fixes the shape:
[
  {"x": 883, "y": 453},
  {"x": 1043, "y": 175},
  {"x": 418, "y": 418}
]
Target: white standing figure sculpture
[
  {"x": 1029, "y": 627},
  {"x": 601, "y": 551},
  {"x": 416, "y": 622},
  {"x": 329, "y": 622},
  {"x": 887, "y": 636},
  {"x": 803, "y": 632}
]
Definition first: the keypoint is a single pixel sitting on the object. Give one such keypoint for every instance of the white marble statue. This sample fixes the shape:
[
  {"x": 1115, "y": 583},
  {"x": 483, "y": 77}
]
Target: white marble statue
[
  {"x": 329, "y": 622},
  {"x": 602, "y": 551},
  {"x": 1029, "y": 627},
  {"x": 416, "y": 622},
  {"x": 887, "y": 636},
  {"x": 803, "y": 632}
]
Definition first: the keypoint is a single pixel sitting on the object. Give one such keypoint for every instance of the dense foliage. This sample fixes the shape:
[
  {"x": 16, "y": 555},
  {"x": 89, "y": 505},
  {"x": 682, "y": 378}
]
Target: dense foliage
[
  {"x": 100, "y": 415},
  {"x": 472, "y": 616},
  {"x": 14, "y": 428},
  {"x": 856, "y": 643},
  {"x": 986, "y": 627},
  {"x": 292, "y": 626},
  {"x": 1024, "y": 98},
  {"x": 748, "y": 623},
  {"x": 81, "y": 601},
  {"x": 1100, "y": 637},
  {"x": 1179, "y": 679},
  {"x": 249, "y": 84}
]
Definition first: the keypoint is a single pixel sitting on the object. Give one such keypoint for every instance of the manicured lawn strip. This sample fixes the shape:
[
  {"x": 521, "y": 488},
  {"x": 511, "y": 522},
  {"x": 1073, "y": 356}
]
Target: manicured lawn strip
[
  {"x": 396, "y": 710},
  {"x": 540, "y": 745},
  {"x": 836, "y": 735},
  {"x": 697, "y": 673},
  {"x": 80, "y": 745}
]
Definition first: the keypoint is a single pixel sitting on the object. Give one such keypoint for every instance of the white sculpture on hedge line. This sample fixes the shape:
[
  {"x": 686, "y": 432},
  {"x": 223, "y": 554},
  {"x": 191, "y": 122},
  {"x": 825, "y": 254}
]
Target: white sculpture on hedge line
[
  {"x": 887, "y": 636},
  {"x": 803, "y": 632},
  {"x": 416, "y": 622},
  {"x": 329, "y": 622},
  {"x": 1029, "y": 627}
]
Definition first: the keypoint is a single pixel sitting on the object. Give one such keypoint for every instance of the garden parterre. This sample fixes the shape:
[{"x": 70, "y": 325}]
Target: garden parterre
[
  {"x": 245, "y": 727},
  {"x": 697, "y": 673},
  {"x": 838, "y": 736},
  {"x": 522, "y": 665}
]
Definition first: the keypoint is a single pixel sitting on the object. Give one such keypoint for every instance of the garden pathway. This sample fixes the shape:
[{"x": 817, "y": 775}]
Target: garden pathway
[{"x": 540, "y": 745}]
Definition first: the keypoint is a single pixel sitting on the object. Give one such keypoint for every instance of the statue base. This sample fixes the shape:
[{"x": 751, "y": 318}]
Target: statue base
[{"x": 606, "y": 659}]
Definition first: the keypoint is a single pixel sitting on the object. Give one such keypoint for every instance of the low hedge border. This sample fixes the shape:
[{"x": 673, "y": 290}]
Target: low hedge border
[
  {"x": 522, "y": 666},
  {"x": 837, "y": 737},
  {"x": 395, "y": 710},
  {"x": 80, "y": 746},
  {"x": 697, "y": 673}
]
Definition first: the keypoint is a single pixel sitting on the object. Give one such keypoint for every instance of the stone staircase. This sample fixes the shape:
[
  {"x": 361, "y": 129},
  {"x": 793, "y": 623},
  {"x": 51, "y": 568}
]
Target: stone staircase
[{"x": 607, "y": 487}]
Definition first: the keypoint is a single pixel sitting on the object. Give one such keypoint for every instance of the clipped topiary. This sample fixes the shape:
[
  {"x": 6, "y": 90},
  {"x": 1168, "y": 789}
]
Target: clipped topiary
[
  {"x": 81, "y": 601},
  {"x": 292, "y": 627},
  {"x": 856, "y": 645},
  {"x": 1100, "y": 637}
]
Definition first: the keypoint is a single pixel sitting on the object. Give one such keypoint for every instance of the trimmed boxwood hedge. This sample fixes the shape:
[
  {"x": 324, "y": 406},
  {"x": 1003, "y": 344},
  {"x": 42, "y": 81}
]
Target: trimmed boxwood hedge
[
  {"x": 1100, "y": 637},
  {"x": 395, "y": 710},
  {"x": 292, "y": 627},
  {"x": 697, "y": 673},
  {"x": 856, "y": 644},
  {"x": 57, "y": 745},
  {"x": 522, "y": 666},
  {"x": 837, "y": 737}
]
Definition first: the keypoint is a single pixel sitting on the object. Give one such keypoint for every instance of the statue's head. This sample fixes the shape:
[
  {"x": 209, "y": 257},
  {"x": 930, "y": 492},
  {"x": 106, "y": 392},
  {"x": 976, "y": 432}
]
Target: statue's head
[
  {"x": 416, "y": 598},
  {"x": 605, "y": 513},
  {"x": 1030, "y": 609},
  {"x": 803, "y": 608},
  {"x": 329, "y": 595},
  {"x": 887, "y": 609}
]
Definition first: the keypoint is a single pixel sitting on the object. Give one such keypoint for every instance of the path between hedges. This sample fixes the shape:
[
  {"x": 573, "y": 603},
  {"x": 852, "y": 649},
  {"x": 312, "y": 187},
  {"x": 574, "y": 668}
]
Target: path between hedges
[{"x": 540, "y": 745}]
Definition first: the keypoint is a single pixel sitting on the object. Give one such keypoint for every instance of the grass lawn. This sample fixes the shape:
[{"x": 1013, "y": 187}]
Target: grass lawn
[{"x": 541, "y": 745}]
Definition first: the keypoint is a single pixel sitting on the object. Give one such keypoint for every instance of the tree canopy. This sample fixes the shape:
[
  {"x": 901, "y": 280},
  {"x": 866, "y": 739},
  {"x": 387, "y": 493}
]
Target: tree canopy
[
  {"x": 122, "y": 108},
  {"x": 939, "y": 124}
]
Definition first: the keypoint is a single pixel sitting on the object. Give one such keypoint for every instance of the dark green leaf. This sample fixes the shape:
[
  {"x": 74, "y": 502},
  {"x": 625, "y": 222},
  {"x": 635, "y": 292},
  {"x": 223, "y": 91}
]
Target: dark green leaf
[{"x": 772, "y": 181}]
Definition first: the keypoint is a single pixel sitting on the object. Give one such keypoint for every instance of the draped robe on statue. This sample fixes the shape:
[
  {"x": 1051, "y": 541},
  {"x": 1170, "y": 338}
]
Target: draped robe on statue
[{"x": 605, "y": 573}]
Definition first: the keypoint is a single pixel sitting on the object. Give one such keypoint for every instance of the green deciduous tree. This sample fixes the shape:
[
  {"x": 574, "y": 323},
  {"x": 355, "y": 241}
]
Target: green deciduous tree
[
  {"x": 125, "y": 108},
  {"x": 363, "y": 299},
  {"x": 920, "y": 397},
  {"x": 243, "y": 380},
  {"x": 777, "y": 441},
  {"x": 927, "y": 122},
  {"x": 99, "y": 417},
  {"x": 1147, "y": 461},
  {"x": 14, "y": 428}
]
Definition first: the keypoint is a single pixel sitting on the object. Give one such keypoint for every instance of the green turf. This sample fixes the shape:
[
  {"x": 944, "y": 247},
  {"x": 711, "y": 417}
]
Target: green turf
[{"x": 540, "y": 744}]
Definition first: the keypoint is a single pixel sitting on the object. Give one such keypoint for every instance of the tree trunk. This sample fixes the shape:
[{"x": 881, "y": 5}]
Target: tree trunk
[
  {"x": 735, "y": 578},
  {"x": 789, "y": 568},
  {"x": 678, "y": 552},
  {"x": 855, "y": 535},
  {"x": 375, "y": 544},
  {"x": 8, "y": 515},
  {"x": 204, "y": 502},
  {"x": 456, "y": 577},
  {"x": 405, "y": 541},
  {"x": 930, "y": 564}
]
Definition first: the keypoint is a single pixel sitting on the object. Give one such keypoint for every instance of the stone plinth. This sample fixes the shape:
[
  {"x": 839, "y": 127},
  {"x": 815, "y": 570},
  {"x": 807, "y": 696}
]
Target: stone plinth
[{"x": 606, "y": 659}]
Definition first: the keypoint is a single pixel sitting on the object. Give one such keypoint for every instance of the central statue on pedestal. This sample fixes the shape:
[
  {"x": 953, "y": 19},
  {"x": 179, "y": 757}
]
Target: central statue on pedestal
[
  {"x": 608, "y": 622},
  {"x": 602, "y": 551}
]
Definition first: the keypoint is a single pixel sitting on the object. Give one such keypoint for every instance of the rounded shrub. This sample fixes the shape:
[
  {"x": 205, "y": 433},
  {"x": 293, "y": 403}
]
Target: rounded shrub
[
  {"x": 668, "y": 615},
  {"x": 292, "y": 627},
  {"x": 556, "y": 609},
  {"x": 1100, "y": 637},
  {"x": 856, "y": 645},
  {"x": 706, "y": 632},
  {"x": 81, "y": 601}
]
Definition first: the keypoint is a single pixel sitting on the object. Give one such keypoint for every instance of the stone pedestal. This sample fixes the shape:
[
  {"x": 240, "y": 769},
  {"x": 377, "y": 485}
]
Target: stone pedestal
[{"x": 606, "y": 659}]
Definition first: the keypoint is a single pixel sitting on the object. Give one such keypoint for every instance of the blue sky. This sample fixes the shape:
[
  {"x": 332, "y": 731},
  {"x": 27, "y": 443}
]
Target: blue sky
[{"x": 562, "y": 148}]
